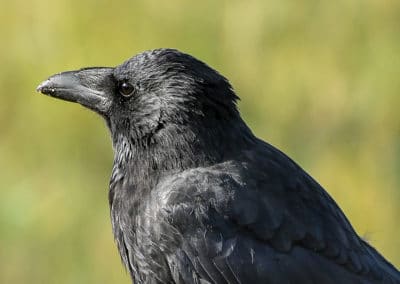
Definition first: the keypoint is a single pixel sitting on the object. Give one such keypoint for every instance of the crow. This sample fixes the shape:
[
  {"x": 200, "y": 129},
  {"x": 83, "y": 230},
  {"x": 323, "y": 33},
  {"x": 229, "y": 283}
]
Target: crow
[{"x": 195, "y": 197}]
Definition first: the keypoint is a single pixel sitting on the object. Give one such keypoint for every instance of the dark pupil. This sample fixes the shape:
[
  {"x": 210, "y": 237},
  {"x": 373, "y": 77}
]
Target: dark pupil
[{"x": 126, "y": 89}]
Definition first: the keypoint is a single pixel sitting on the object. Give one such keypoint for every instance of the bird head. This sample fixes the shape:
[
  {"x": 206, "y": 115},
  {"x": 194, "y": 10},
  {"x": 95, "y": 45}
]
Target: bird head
[
  {"x": 151, "y": 90},
  {"x": 161, "y": 104}
]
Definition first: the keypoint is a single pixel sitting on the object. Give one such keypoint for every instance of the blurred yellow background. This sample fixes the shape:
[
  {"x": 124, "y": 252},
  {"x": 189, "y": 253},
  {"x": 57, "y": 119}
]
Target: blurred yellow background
[{"x": 318, "y": 79}]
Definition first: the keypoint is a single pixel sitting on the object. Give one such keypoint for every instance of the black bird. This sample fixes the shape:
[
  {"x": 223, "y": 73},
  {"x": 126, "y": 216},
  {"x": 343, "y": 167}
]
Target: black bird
[{"x": 195, "y": 197}]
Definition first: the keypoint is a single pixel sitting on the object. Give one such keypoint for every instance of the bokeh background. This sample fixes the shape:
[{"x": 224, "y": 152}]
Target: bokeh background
[{"x": 318, "y": 79}]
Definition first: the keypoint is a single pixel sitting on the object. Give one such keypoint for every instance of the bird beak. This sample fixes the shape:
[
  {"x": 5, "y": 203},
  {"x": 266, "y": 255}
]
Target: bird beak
[{"x": 90, "y": 87}]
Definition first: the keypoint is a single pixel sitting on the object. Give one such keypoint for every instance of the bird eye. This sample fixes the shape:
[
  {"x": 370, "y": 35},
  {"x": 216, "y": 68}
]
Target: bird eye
[{"x": 126, "y": 89}]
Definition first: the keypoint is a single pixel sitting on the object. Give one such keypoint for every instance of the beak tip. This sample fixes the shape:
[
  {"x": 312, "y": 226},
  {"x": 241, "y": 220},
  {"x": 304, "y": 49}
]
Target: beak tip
[
  {"x": 41, "y": 86},
  {"x": 44, "y": 87}
]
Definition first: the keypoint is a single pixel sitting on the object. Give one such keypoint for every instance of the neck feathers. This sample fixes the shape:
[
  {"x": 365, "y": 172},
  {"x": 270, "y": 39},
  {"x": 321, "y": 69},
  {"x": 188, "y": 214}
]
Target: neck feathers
[{"x": 174, "y": 148}]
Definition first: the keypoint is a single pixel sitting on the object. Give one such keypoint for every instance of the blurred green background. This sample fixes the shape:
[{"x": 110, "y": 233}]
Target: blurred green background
[{"x": 318, "y": 79}]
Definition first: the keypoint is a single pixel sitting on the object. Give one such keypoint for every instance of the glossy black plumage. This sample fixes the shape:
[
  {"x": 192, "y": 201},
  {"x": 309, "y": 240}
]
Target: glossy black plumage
[{"x": 195, "y": 197}]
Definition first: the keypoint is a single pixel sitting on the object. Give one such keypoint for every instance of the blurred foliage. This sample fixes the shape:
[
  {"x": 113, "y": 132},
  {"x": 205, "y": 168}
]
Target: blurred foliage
[{"x": 318, "y": 79}]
